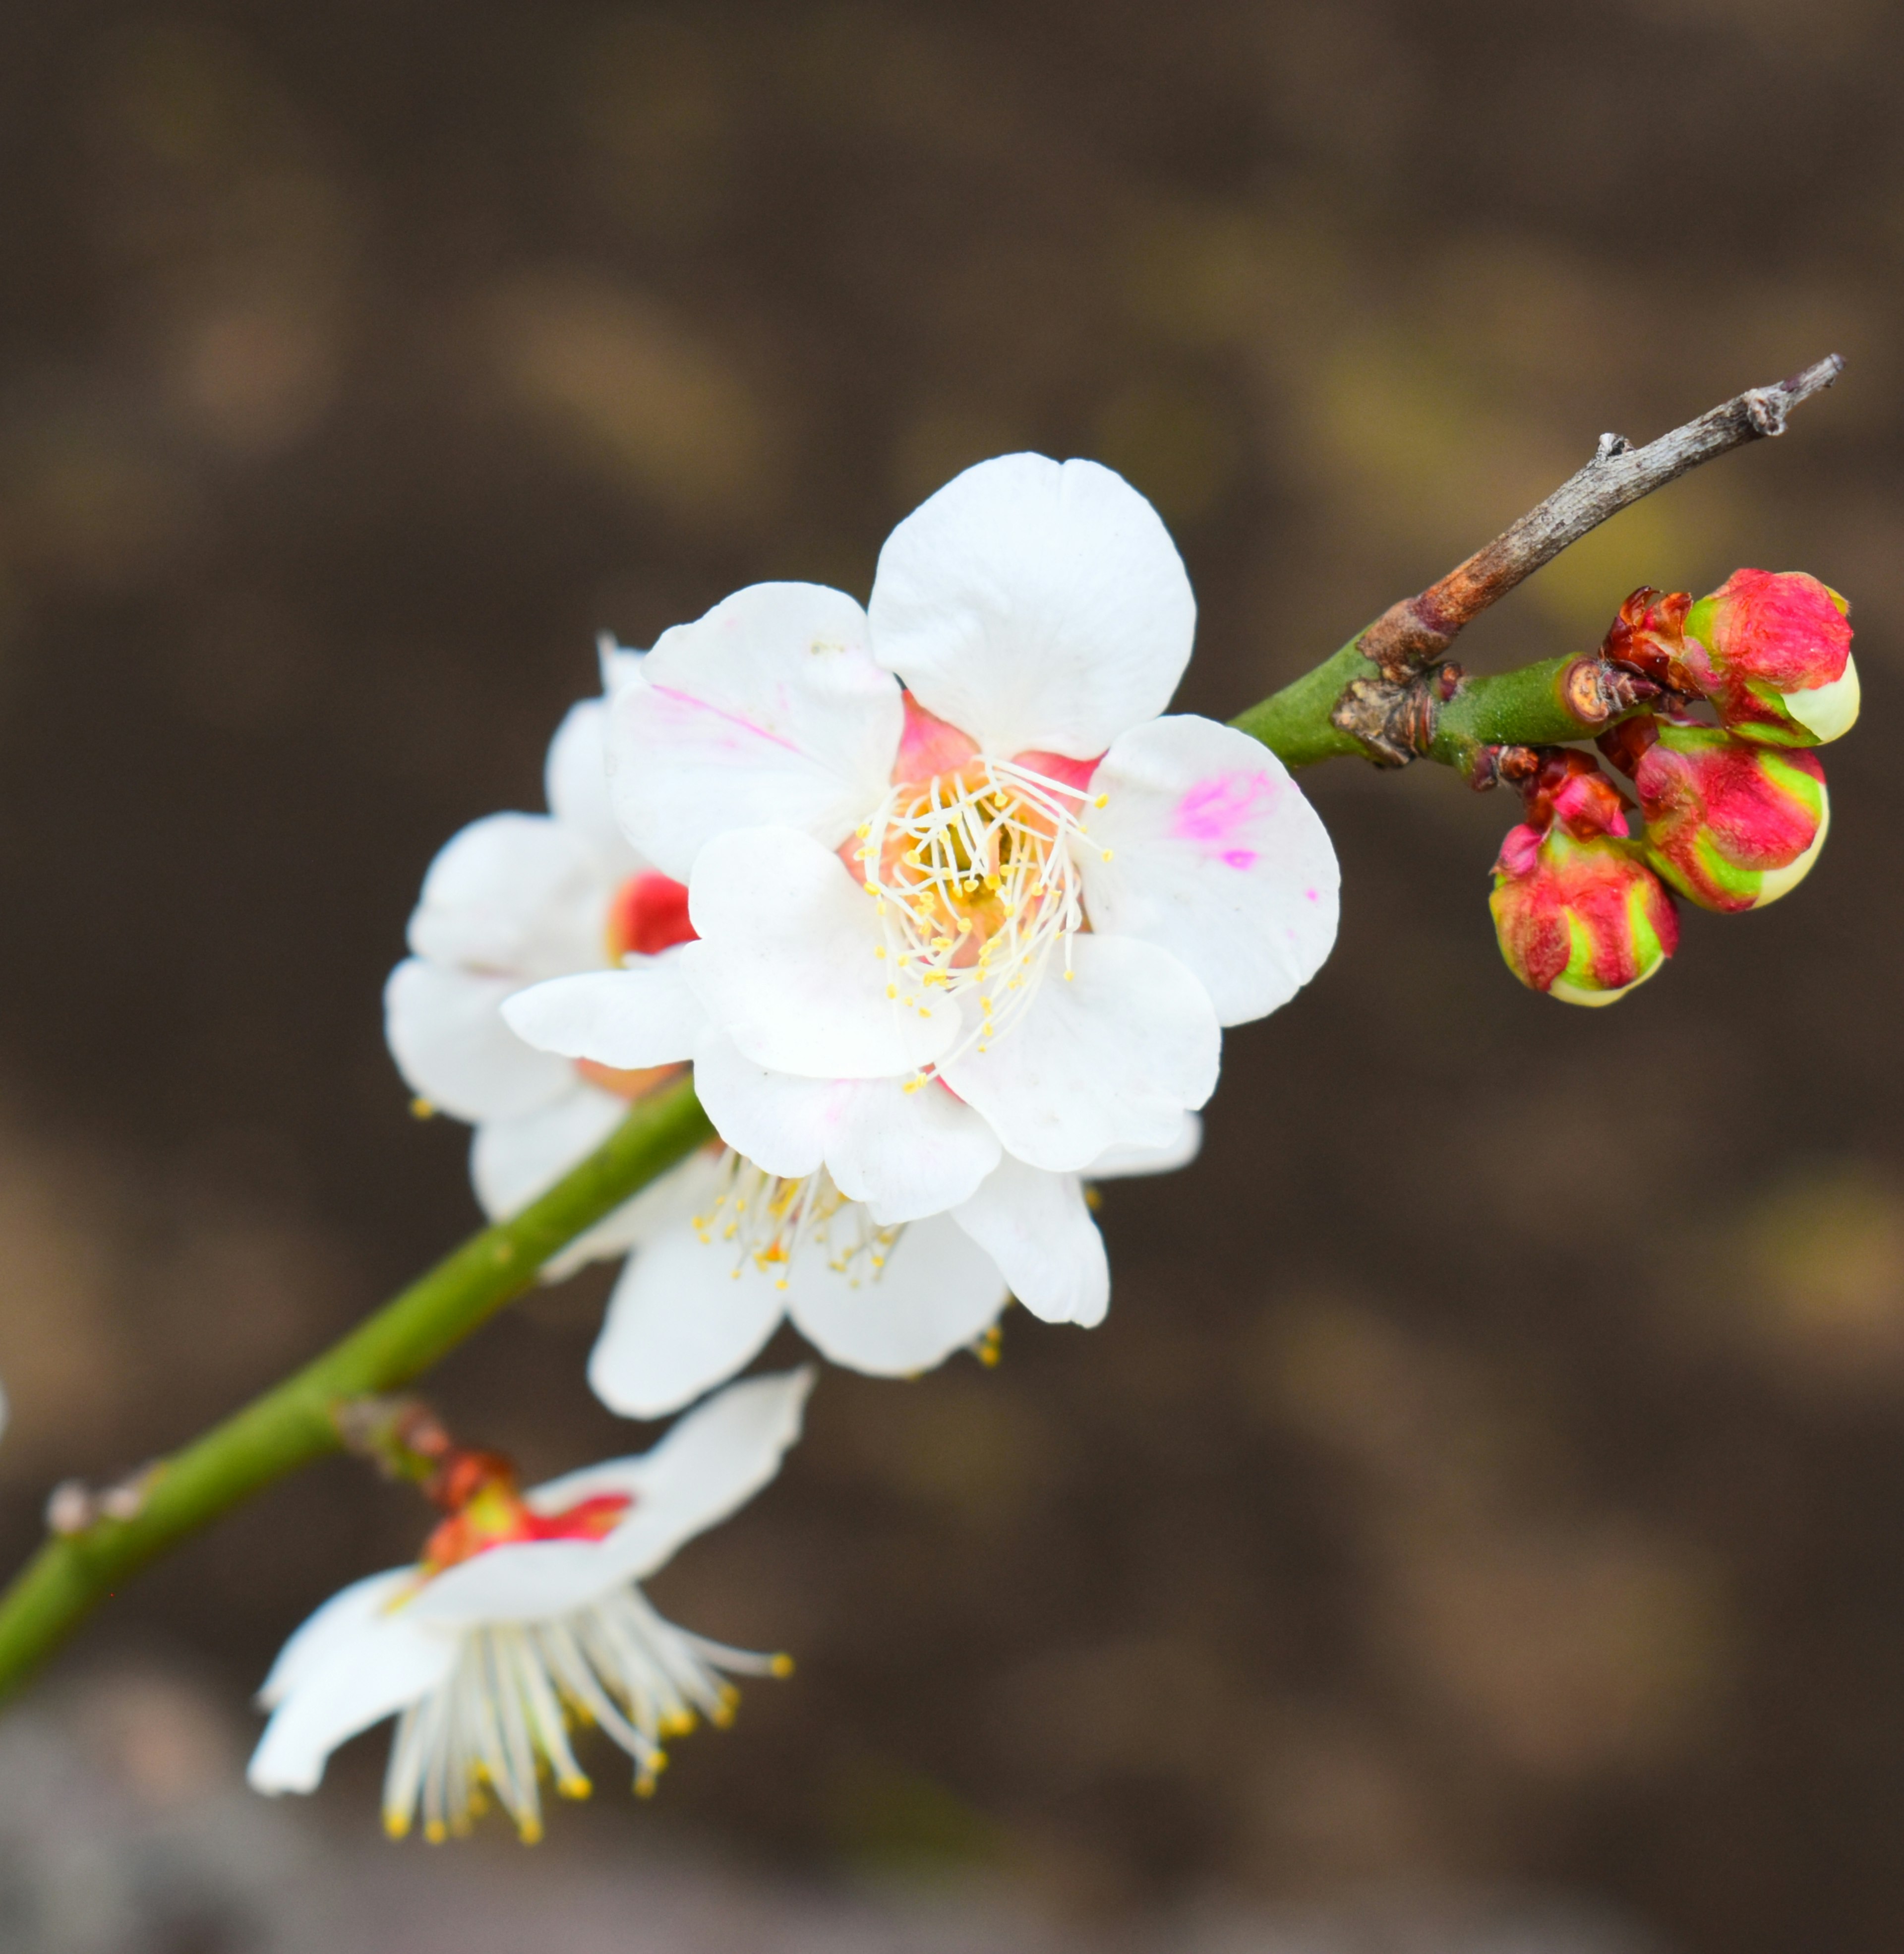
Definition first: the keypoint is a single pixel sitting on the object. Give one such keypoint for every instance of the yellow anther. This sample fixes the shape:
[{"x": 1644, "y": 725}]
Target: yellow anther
[
  {"x": 781, "y": 1665},
  {"x": 436, "y": 1831},
  {"x": 863, "y": 829},
  {"x": 421, "y": 1108},
  {"x": 879, "y": 950},
  {"x": 1069, "y": 974},
  {"x": 1103, "y": 800},
  {"x": 577, "y": 1787},
  {"x": 892, "y": 990},
  {"x": 1107, "y": 854},
  {"x": 780, "y": 1282},
  {"x": 396, "y": 1824},
  {"x": 645, "y": 1785}
]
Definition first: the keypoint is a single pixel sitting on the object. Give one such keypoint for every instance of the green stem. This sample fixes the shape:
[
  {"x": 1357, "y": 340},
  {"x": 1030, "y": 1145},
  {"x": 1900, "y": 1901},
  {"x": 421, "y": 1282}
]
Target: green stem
[
  {"x": 292, "y": 1424},
  {"x": 1526, "y": 707}
]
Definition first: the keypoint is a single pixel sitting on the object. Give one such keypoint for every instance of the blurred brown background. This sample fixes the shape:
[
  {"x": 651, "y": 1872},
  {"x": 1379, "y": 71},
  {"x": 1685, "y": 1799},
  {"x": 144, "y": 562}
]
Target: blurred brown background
[{"x": 1490, "y": 1479}]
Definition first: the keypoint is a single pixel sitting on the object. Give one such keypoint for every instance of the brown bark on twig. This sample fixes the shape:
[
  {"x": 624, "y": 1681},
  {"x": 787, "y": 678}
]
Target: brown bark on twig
[{"x": 1408, "y": 635}]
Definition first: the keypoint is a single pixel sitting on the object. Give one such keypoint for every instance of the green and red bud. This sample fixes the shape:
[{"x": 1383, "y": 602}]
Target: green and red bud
[
  {"x": 1772, "y": 650},
  {"x": 1578, "y": 914},
  {"x": 1732, "y": 824}
]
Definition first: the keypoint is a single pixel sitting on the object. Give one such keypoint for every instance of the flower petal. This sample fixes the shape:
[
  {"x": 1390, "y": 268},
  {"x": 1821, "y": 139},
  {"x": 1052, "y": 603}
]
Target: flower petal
[
  {"x": 344, "y": 1617},
  {"x": 1113, "y": 1056},
  {"x": 1120, "y": 1163},
  {"x": 790, "y": 963},
  {"x": 681, "y": 1319},
  {"x": 513, "y": 895},
  {"x": 1216, "y": 856},
  {"x": 937, "y": 1291},
  {"x": 446, "y": 1032},
  {"x": 769, "y": 709},
  {"x": 387, "y": 1665},
  {"x": 1035, "y": 606},
  {"x": 643, "y": 1015},
  {"x": 575, "y": 777},
  {"x": 906, "y": 1153},
  {"x": 710, "y": 1464},
  {"x": 1037, "y": 1227},
  {"x": 714, "y": 1461}
]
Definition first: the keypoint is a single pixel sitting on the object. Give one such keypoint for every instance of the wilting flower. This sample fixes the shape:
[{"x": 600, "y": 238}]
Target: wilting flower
[
  {"x": 1577, "y": 913},
  {"x": 1772, "y": 653},
  {"x": 727, "y": 1247},
  {"x": 999, "y": 913},
  {"x": 1732, "y": 824},
  {"x": 523, "y": 1620}
]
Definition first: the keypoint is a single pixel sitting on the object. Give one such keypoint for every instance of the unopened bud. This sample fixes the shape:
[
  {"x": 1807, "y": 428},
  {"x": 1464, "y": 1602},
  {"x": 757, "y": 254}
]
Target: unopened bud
[
  {"x": 1578, "y": 912},
  {"x": 1731, "y": 824},
  {"x": 1772, "y": 650}
]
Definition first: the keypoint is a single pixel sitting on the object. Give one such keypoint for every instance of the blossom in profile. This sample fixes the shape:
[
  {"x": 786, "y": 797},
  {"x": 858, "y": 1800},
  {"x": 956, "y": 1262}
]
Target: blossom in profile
[
  {"x": 1772, "y": 650},
  {"x": 740, "y": 1237},
  {"x": 948, "y": 865},
  {"x": 523, "y": 1621},
  {"x": 1578, "y": 912}
]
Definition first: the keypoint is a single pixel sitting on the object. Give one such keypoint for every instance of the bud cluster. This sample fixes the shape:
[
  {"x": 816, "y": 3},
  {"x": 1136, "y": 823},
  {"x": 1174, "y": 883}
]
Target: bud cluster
[{"x": 1731, "y": 815}]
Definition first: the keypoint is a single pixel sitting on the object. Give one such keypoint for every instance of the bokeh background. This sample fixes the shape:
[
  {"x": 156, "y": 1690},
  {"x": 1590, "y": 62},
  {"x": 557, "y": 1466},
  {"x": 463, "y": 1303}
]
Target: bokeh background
[{"x": 1484, "y": 1501}]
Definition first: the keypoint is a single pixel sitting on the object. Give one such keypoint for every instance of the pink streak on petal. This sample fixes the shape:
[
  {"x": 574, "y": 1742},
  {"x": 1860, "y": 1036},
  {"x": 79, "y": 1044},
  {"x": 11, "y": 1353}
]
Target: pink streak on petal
[
  {"x": 688, "y": 699},
  {"x": 1214, "y": 809},
  {"x": 1240, "y": 858}
]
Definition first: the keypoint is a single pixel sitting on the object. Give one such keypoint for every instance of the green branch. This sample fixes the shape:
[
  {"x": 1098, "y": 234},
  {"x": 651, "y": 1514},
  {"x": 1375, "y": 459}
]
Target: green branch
[
  {"x": 1392, "y": 707},
  {"x": 293, "y": 1424}
]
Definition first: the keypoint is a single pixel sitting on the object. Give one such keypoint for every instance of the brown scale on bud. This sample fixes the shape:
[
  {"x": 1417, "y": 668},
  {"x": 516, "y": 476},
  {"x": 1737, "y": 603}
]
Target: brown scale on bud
[{"x": 1648, "y": 637}]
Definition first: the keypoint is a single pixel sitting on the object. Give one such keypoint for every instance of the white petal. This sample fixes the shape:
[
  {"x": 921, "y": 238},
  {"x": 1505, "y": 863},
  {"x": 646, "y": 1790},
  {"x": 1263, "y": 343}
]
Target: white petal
[
  {"x": 512, "y": 1161},
  {"x": 576, "y": 779},
  {"x": 1121, "y": 1162},
  {"x": 514, "y": 895},
  {"x": 640, "y": 1016},
  {"x": 907, "y": 1153},
  {"x": 1034, "y": 606},
  {"x": 1215, "y": 856},
  {"x": 937, "y": 1291},
  {"x": 1113, "y": 1056},
  {"x": 387, "y": 1666},
  {"x": 714, "y": 1461},
  {"x": 711, "y": 1463},
  {"x": 341, "y": 1619},
  {"x": 787, "y": 964},
  {"x": 446, "y": 1032},
  {"x": 1828, "y": 712},
  {"x": 1036, "y": 1227},
  {"x": 779, "y": 1122},
  {"x": 679, "y": 1321},
  {"x": 769, "y": 709}
]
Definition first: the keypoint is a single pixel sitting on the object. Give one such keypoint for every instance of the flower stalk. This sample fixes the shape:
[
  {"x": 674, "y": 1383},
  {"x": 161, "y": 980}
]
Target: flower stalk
[{"x": 295, "y": 1422}]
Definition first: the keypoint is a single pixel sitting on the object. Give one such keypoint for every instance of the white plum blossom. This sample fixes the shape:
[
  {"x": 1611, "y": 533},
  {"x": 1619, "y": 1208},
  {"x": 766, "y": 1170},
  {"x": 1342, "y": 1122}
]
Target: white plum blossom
[
  {"x": 735, "y": 1240},
  {"x": 969, "y": 915},
  {"x": 524, "y": 1619}
]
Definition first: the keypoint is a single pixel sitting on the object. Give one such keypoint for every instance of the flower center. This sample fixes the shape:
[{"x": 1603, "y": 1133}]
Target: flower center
[
  {"x": 488, "y": 1510},
  {"x": 766, "y": 1218},
  {"x": 977, "y": 883}
]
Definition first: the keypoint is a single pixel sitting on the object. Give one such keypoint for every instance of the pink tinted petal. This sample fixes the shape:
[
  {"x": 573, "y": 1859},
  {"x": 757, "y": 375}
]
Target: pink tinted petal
[
  {"x": 1214, "y": 855},
  {"x": 768, "y": 709}
]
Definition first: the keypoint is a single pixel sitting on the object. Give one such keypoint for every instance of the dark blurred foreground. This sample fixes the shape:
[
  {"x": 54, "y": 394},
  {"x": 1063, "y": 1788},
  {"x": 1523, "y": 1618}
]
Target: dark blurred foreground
[{"x": 1488, "y": 1481}]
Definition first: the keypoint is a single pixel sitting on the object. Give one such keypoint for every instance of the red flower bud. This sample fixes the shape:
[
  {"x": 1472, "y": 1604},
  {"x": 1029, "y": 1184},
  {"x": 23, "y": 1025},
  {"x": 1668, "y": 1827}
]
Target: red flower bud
[
  {"x": 1730, "y": 823},
  {"x": 1772, "y": 650},
  {"x": 1577, "y": 913}
]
